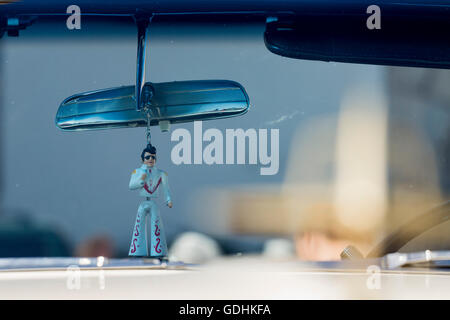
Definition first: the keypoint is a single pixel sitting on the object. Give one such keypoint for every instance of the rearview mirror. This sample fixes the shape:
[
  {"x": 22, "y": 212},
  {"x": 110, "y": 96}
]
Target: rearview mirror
[{"x": 168, "y": 102}]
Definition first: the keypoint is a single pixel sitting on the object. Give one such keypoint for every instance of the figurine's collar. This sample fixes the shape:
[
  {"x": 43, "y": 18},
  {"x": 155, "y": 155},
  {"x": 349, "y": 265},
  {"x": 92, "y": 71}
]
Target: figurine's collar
[{"x": 145, "y": 167}]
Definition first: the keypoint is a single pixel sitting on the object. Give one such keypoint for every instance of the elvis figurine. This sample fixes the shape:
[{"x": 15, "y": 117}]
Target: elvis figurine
[{"x": 148, "y": 180}]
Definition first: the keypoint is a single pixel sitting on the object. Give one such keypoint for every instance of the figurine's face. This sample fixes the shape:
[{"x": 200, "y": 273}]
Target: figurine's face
[{"x": 149, "y": 159}]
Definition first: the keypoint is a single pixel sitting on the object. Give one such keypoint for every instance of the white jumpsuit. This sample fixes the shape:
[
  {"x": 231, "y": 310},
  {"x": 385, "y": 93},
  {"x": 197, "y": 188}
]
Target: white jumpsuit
[{"x": 149, "y": 188}]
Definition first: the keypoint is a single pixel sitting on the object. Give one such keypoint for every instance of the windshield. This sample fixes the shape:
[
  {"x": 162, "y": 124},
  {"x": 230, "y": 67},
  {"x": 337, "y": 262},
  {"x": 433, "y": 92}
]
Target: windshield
[{"x": 333, "y": 154}]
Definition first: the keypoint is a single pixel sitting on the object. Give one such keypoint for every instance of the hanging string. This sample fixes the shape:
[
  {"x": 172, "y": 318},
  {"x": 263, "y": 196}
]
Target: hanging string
[
  {"x": 148, "y": 94},
  {"x": 148, "y": 134}
]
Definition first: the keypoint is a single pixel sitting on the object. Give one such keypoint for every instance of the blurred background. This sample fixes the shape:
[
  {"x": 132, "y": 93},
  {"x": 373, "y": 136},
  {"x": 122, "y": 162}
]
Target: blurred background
[{"x": 363, "y": 149}]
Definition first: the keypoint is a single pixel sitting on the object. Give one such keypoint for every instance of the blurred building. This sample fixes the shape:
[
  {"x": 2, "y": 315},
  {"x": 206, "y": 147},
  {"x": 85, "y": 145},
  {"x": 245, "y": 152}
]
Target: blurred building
[
  {"x": 358, "y": 174},
  {"x": 419, "y": 153}
]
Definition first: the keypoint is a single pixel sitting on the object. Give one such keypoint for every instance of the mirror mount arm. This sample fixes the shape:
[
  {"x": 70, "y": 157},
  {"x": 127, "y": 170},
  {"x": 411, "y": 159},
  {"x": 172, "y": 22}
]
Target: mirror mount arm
[{"x": 142, "y": 25}]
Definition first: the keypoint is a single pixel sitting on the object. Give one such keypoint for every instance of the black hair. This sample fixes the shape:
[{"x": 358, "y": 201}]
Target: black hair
[{"x": 150, "y": 149}]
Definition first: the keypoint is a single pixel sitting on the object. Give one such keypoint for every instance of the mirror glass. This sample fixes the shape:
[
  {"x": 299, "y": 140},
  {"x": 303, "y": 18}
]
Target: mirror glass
[{"x": 175, "y": 102}]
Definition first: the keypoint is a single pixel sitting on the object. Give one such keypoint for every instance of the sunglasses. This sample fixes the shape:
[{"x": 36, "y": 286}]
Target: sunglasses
[{"x": 148, "y": 157}]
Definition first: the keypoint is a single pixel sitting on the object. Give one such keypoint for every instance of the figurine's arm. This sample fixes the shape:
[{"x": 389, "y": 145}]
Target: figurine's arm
[
  {"x": 166, "y": 189},
  {"x": 136, "y": 181}
]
